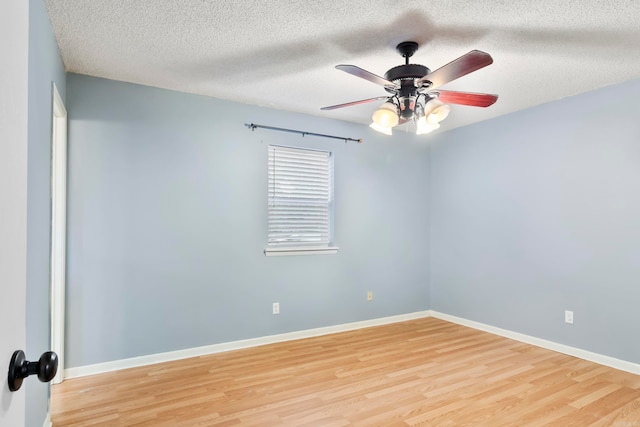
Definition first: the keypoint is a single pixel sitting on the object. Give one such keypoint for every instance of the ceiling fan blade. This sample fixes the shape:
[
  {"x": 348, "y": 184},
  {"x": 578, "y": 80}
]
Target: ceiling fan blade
[
  {"x": 364, "y": 74},
  {"x": 349, "y": 104},
  {"x": 457, "y": 68},
  {"x": 466, "y": 98}
]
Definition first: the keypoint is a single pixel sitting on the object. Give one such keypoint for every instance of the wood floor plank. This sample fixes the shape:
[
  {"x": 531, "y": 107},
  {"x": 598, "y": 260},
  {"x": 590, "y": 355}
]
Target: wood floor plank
[{"x": 419, "y": 372}]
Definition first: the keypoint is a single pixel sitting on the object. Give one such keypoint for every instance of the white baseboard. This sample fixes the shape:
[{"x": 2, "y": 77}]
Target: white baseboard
[
  {"x": 47, "y": 421},
  {"x": 612, "y": 362},
  {"x": 135, "y": 362}
]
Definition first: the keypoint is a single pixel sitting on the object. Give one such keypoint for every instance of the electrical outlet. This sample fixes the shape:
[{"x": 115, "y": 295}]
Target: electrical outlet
[
  {"x": 370, "y": 296},
  {"x": 568, "y": 317},
  {"x": 276, "y": 308}
]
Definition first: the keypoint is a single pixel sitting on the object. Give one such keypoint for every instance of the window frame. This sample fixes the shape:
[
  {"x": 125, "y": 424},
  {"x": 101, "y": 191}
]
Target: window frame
[{"x": 301, "y": 248}]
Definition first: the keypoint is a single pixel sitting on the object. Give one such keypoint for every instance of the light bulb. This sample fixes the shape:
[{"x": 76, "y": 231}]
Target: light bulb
[
  {"x": 382, "y": 129},
  {"x": 423, "y": 127}
]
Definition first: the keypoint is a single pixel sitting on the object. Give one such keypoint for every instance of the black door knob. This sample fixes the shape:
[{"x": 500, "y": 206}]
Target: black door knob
[{"x": 19, "y": 368}]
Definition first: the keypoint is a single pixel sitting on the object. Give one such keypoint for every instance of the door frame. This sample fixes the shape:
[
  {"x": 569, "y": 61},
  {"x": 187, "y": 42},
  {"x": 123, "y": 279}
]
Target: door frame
[{"x": 58, "y": 228}]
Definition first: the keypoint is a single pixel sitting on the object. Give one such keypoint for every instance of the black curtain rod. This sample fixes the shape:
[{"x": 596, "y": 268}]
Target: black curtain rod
[{"x": 253, "y": 126}]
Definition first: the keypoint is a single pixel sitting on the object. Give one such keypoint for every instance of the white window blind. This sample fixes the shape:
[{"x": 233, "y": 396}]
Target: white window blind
[{"x": 300, "y": 198}]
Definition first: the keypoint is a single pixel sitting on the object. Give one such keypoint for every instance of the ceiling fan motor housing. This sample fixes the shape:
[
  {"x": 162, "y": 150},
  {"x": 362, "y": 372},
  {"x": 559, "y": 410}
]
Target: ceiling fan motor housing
[
  {"x": 406, "y": 75},
  {"x": 405, "y": 72}
]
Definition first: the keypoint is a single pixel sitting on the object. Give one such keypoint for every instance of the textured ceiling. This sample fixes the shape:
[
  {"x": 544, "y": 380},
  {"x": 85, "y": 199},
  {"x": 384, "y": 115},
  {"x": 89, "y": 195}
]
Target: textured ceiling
[{"x": 282, "y": 53}]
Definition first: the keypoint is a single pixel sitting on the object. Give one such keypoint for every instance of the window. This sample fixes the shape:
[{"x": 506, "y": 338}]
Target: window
[{"x": 300, "y": 198}]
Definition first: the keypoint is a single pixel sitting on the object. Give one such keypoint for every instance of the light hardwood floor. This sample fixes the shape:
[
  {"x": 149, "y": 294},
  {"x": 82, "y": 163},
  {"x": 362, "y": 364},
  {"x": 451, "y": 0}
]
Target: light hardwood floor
[{"x": 424, "y": 372}]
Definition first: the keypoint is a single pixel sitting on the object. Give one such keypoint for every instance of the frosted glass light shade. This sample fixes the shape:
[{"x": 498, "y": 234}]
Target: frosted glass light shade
[
  {"x": 436, "y": 111},
  {"x": 386, "y": 116}
]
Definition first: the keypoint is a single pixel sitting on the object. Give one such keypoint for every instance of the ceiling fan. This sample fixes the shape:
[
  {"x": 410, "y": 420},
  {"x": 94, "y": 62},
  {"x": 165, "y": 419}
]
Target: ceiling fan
[{"x": 414, "y": 94}]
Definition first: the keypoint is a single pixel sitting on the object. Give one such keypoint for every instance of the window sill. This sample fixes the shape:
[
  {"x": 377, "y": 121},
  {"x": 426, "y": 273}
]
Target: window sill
[{"x": 301, "y": 251}]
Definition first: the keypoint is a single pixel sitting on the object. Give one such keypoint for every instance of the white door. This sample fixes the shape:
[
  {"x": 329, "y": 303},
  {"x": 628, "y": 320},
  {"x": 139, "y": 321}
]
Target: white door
[{"x": 14, "y": 45}]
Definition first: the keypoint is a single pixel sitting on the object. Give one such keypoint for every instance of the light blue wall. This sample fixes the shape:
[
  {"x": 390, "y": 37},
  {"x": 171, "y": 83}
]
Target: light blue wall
[
  {"x": 531, "y": 214},
  {"x": 167, "y": 224},
  {"x": 539, "y": 211},
  {"x": 45, "y": 67}
]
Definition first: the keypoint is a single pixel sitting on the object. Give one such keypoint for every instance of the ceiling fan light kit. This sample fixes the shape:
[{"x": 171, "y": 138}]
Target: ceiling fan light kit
[{"x": 412, "y": 91}]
